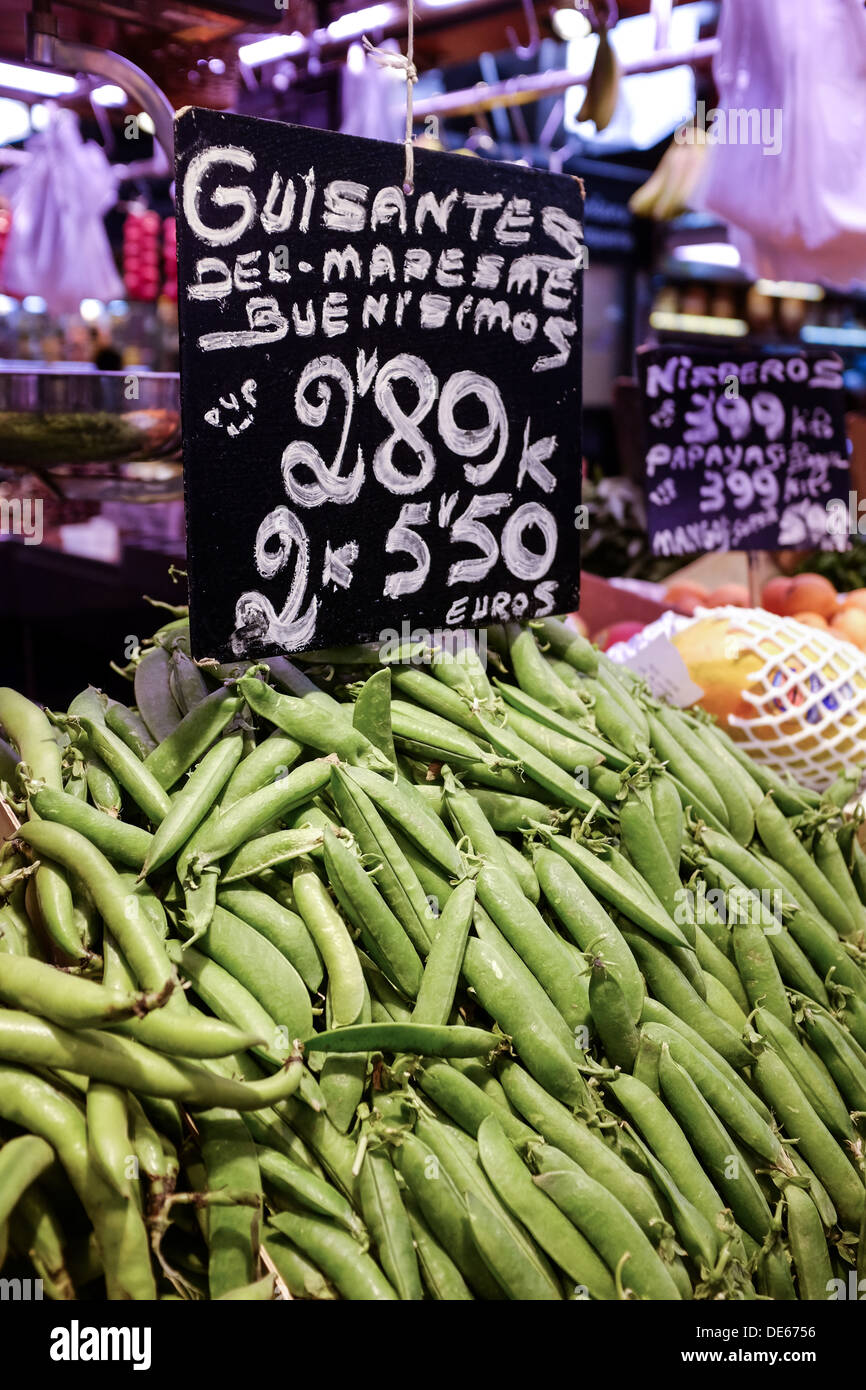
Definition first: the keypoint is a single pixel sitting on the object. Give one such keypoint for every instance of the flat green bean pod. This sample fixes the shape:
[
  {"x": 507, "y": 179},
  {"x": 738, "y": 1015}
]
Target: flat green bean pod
[{"x": 420, "y": 1039}]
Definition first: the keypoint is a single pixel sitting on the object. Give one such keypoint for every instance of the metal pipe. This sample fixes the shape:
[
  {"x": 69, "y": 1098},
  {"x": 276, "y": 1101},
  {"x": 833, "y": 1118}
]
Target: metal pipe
[{"x": 528, "y": 87}]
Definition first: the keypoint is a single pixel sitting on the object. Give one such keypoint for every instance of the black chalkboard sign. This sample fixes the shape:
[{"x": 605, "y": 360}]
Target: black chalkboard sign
[
  {"x": 743, "y": 451},
  {"x": 380, "y": 390}
]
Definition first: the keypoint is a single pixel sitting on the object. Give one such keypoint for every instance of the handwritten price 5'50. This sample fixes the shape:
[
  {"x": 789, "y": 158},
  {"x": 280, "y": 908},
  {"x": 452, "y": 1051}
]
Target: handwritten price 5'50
[{"x": 310, "y": 482}]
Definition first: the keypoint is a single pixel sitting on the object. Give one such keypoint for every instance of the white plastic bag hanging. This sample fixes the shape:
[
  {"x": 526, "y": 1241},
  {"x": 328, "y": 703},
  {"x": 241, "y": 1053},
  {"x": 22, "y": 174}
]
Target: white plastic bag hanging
[
  {"x": 788, "y": 171},
  {"x": 57, "y": 246}
]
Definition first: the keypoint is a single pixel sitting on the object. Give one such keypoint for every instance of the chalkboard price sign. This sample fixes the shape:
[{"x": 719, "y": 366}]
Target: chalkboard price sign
[
  {"x": 743, "y": 452},
  {"x": 380, "y": 389}
]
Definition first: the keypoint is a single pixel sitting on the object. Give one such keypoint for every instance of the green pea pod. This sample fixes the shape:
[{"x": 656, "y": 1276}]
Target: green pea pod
[
  {"x": 102, "y": 786},
  {"x": 35, "y": 1229},
  {"x": 435, "y": 997},
  {"x": 311, "y": 725},
  {"x": 354, "y": 1275},
  {"x": 193, "y": 802},
  {"x": 642, "y": 841},
  {"x": 781, "y": 842},
  {"x": 656, "y": 1012},
  {"x": 567, "y": 789},
  {"x": 668, "y": 813},
  {"x": 521, "y": 870},
  {"x": 333, "y": 942},
  {"x": 810, "y": 1076},
  {"x": 831, "y": 861},
  {"x": 192, "y": 737},
  {"x": 70, "y": 1000},
  {"x": 22, "y": 1161},
  {"x": 567, "y": 643},
  {"x": 610, "y": 1014},
  {"x": 388, "y": 1223},
  {"x": 504, "y": 1258},
  {"x": 28, "y": 728},
  {"x": 738, "y": 811},
  {"x": 108, "y": 1135},
  {"x": 371, "y": 715},
  {"x": 442, "y": 1278},
  {"x": 129, "y": 726},
  {"x": 606, "y": 883},
  {"x": 536, "y": 676},
  {"x": 466, "y": 1103},
  {"x": 701, "y": 1240},
  {"x": 571, "y": 728},
  {"x": 759, "y": 972},
  {"x": 49, "y": 903},
  {"x": 309, "y": 1191},
  {"x": 420, "y": 1039},
  {"x": 808, "y": 1246},
  {"x": 187, "y": 684},
  {"x": 712, "y": 1141},
  {"x": 134, "y": 776},
  {"x": 153, "y": 696},
  {"x": 282, "y": 927},
  {"x": 231, "y": 1163},
  {"x": 267, "y": 762},
  {"x": 402, "y": 804},
  {"x": 820, "y": 1150},
  {"x": 837, "y": 1050},
  {"x": 511, "y": 815},
  {"x": 267, "y": 852},
  {"x": 226, "y": 830},
  {"x": 122, "y": 912},
  {"x": 300, "y": 1276},
  {"x": 369, "y": 913},
  {"x": 119, "y": 841},
  {"x": 344, "y": 1076}
]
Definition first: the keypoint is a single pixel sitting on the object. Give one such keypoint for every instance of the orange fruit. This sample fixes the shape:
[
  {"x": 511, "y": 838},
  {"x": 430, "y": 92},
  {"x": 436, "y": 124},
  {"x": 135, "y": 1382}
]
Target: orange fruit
[
  {"x": 774, "y": 595},
  {"x": 856, "y": 598},
  {"x": 812, "y": 620},
  {"x": 736, "y": 595},
  {"x": 850, "y": 624},
  {"x": 811, "y": 593}
]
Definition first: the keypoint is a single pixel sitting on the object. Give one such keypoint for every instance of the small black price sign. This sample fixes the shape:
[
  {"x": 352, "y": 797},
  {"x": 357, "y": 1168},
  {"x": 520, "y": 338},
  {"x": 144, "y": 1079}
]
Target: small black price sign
[
  {"x": 743, "y": 452},
  {"x": 380, "y": 389}
]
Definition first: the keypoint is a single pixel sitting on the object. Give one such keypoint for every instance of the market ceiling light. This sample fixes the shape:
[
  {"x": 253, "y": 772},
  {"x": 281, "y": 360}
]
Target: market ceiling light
[
  {"x": 109, "y": 95},
  {"x": 275, "y": 46},
  {"x": 33, "y": 304},
  {"x": 145, "y": 122},
  {"x": 6, "y": 305},
  {"x": 14, "y": 120},
  {"x": 44, "y": 84},
  {"x": 351, "y": 26},
  {"x": 833, "y": 337},
  {"x": 709, "y": 253},
  {"x": 91, "y": 309},
  {"x": 789, "y": 289},
  {"x": 570, "y": 25},
  {"x": 698, "y": 323},
  {"x": 40, "y": 116}
]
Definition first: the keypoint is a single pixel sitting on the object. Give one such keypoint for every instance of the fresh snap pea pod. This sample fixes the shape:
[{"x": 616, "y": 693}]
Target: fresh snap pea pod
[
  {"x": 345, "y": 977},
  {"x": 642, "y": 840},
  {"x": 50, "y": 906},
  {"x": 536, "y": 676},
  {"x": 232, "y": 1003},
  {"x": 566, "y": 643},
  {"x": 713, "y": 1143},
  {"x": 668, "y": 747},
  {"x": 759, "y": 972},
  {"x": 131, "y": 728},
  {"x": 441, "y": 1277},
  {"x": 307, "y": 1190},
  {"x": 227, "y": 830},
  {"x": 334, "y": 1151},
  {"x": 193, "y": 1034},
  {"x": 668, "y": 1142},
  {"x": 782, "y": 843},
  {"x": 684, "y": 957},
  {"x": 193, "y": 802},
  {"x": 713, "y": 961},
  {"x": 509, "y": 814},
  {"x": 22, "y": 1161},
  {"x": 606, "y": 883},
  {"x": 502, "y": 994},
  {"x": 37, "y": 1233},
  {"x": 729, "y": 1102},
  {"x": 521, "y": 870},
  {"x": 394, "y": 876},
  {"x": 739, "y": 812},
  {"x": 187, "y": 684},
  {"x": 260, "y": 1291},
  {"x": 102, "y": 786},
  {"x": 311, "y": 725},
  {"x": 282, "y": 927},
  {"x": 108, "y": 1136},
  {"x": 300, "y": 1276},
  {"x": 656, "y": 1012},
  {"x": 724, "y": 1005},
  {"x": 700, "y": 1238},
  {"x": 122, "y": 912},
  {"x": 585, "y": 919},
  {"x": 541, "y": 769},
  {"x": 518, "y": 972},
  {"x": 449, "y": 667},
  {"x": 153, "y": 696},
  {"x": 817, "y": 1145},
  {"x": 420, "y": 1039},
  {"x": 614, "y": 721},
  {"x": 105, "y": 1056},
  {"x": 445, "y": 708},
  {"x": 231, "y": 1164},
  {"x": 517, "y": 699},
  {"x": 670, "y": 986},
  {"x": 466, "y": 1103},
  {"x": 614, "y": 1233},
  {"x": 612, "y": 676},
  {"x": 383, "y": 934},
  {"x": 808, "y": 1245},
  {"x": 70, "y": 1000},
  {"x": 471, "y": 825},
  {"x": 435, "y": 996},
  {"x": 388, "y": 1223},
  {"x": 262, "y": 969},
  {"x": 267, "y": 762},
  {"x": 556, "y": 1234},
  {"x": 518, "y": 1276},
  {"x": 38, "y": 1107},
  {"x": 791, "y": 798},
  {"x": 718, "y": 750},
  {"x": 806, "y": 1070},
  {"x": 268, "y": 851},
  {"x": 192, "y": 737},
  {"x": 119, "y": 841},
  {"x": 426, "y": 736},
  {"x": 610, "y": 1014},
  {"x": 668, "y": 813},
  {"x": 343, "y": 1077},
  {"x": 28, "y": 728},
  {"x": 353, "y": 1274},
  {"x": 134, "y": 776},
  {"x": 402, "y": 804},
  {"x": 435, "y": 885},
  {"x": 540, "y": 948},
  {"x": 831, "y": 861},
  {"x": 837, "y": 1051},
  {"x": 371, "y": 715},
  {"x": 569, "y": 1138}
]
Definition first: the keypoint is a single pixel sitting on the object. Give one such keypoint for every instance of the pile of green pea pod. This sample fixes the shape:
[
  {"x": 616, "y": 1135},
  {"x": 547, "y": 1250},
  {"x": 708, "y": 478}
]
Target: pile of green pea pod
[{"x": 423, "y": 978}]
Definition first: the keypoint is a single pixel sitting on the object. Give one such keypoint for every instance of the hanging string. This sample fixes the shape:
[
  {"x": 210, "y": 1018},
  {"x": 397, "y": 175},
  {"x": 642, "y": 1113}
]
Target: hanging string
[{"x": 405, "y": 63}]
